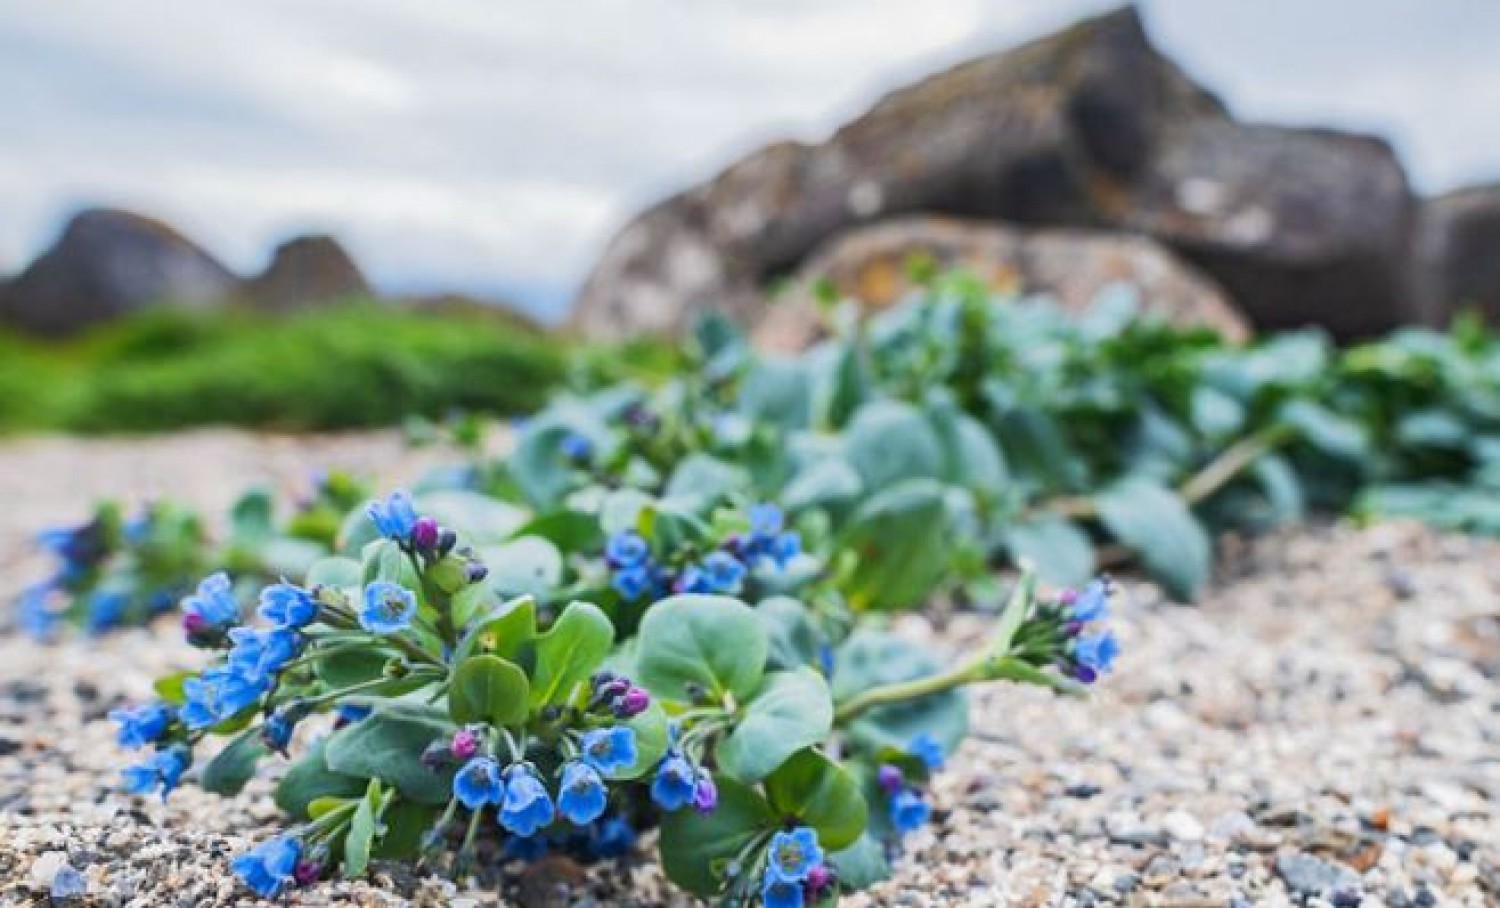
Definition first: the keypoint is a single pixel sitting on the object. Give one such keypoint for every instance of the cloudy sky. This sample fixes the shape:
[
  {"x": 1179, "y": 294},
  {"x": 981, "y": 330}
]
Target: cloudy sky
[{"x": 493, "y": 146}]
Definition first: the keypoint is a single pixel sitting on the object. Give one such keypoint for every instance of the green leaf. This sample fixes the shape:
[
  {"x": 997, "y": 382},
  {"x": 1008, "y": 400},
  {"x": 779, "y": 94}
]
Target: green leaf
[
  {"x": 569, "y": 530},
  {"x": 790, "y": 711},
  {"x": 871, "y": 658},
  {"x": 310, "y": 779},
  {"x": 890, "y": 441},
  {"x": 713, "y": 642},
  {"x": 819, "y": 793},
  {"x": 506, "y": 631},
  {"x": 233, "y": 766},
  {"x": 696, "y": 848},
  {"x": 345, "y": 668},
  {"x": 250, "y": 519},
  {"x": 363, "y": 828},
  {"x": 169, "y": 687},
  {"x": 621, "y": 511},
  {"x": 488, "y": 689},
  {"x": 479, "y": 519},
  {"x": 569, "y": 652},
  {"x": 777, "y": 390},
  {"x": 862, "y": 864},
  {"x": 793, "y": 637},
  {"x": 899, "y": 536},
  {"x": 528, "y": 566},
  {"x": 825, "y": 482},
  {"x": 705, "y": 480},
  {"x": 339, "y": 572},
  {"x": 1327, "y": 432},
  {"x": 405, "y": 824},
  {"x": 1155, "y": 524},
  {"x": 388, "y": 745},
  {"x": 1060, "y": 551}
]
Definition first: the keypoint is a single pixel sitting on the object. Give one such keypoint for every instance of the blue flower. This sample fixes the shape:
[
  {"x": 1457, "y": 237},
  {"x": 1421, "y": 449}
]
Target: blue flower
[
  {"x": 162, "y": 769},
  {"x": 348, "y": 713},
  {"x": 1093, "y": 603},
  {"x": 611, "y": 838},
  {"x": 213, "y": 605},
  {"x": 270, "y": 866},
  {"x": 218, "y": 694},
  {"x": 36, "y": 616},
  {"x": 527, "y": 806},
  {"x": 576, "y": 447},
  {"x": 259, "y": 654},
  {"x": 793, "y": 855},
  {"x": 779, "y": 893},
  {"x": 610, "y": 749},
  {"x": 785, "y": 547},
  {"x": 633, "y": 582},
  {"x": 766, "y": 520},
  {"x": 278, "y": 728},
  {"x": 676, "y": 782},
  {"x": 927, "y": 749},
  {"x": 524, "y": 848},
  {"x": 694, "y": 579},
  {"x": 908, "y": 811},
  {"x": 389, "y": 607},
  {"x": 478, "y": 783},
  {"x": 68, "y": 884},
  {"x": 141, "y": 725},
  {"x": 627, "y": 549},
  {"x": 1096, "y": 652},
  {"x": 581, "y": 798},
  {"x": 395, "y": 517},
  {"x": 724, "y": 572},
  {"x": 106, "y": 609},
  {"x": 286, "y": 605}
]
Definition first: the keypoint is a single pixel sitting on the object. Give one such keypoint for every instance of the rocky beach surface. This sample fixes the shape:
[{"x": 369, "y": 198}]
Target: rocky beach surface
[{"x": 1322, "y": 729}]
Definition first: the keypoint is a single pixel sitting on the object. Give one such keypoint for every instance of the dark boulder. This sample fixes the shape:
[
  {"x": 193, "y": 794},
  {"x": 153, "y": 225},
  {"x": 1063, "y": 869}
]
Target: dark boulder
[
  {"x": 1072, "y": 266},
  {"x": 1089, "y": 127},
  {"x": 306, "y": 271},
  {"x": 105, "y": 264},
  {"x": 1459, "y": 255}
]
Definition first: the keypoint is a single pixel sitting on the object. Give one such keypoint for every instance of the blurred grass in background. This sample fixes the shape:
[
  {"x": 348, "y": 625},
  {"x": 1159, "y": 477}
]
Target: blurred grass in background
[{"x": 355, "y": 365}]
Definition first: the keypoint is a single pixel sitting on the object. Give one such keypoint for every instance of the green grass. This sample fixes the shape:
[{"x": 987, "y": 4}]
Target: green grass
[{"x": 351, "y": 366}]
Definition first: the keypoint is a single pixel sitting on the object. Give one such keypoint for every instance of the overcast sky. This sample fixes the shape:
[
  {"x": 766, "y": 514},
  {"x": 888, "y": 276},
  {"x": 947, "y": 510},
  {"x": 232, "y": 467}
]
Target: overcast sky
[{"x": 494, "y": 146}]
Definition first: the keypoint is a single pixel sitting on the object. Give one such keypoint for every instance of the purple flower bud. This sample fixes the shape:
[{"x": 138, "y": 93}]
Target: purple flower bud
[
  {"x": 632, "y": 703},
  {"x": 1073, "y": 628},
  {"x": 446, "y": 541},
  {"x": 194, "y": 624},
  {"x": 818, "y": 879},
  {"x": 425, "y": 534},
  {"x": 465, "y": 744},
  {"x": 307, "y": 872},
  {"x": 476, "y": 571},
  {"x": 1067, "y": 596},
  {"x": 705, "y": 794},
  {"x": 891, "y": 778}
]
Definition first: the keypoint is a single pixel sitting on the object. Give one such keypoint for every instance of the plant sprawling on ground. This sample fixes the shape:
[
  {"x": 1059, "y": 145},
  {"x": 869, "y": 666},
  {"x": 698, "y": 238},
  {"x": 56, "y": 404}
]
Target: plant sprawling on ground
[{"x": 663, "y": 606}]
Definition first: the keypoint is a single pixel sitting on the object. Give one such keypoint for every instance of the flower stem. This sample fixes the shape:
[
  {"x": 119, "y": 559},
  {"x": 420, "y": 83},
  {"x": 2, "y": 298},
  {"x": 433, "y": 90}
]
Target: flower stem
[{"x": 908, "y": 690}]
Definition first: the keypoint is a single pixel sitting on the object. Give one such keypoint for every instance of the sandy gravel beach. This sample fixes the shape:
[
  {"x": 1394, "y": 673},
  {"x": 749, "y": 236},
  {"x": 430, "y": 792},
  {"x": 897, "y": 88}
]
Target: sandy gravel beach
[{"x": 1323, "y": 729}]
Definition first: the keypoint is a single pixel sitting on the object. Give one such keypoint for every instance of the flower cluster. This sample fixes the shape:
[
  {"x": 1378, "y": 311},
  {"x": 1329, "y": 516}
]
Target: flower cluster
[
  {"x": 637, "y": 574},
  {"x": 1091, "y": 651},
  {"x": 109, "y": 571},
  {"x": 905, "y": 806}
]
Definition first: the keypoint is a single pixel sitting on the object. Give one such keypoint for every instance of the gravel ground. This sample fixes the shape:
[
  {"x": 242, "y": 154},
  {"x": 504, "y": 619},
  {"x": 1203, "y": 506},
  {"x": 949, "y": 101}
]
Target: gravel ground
[{"x": 1324, "y": 729}]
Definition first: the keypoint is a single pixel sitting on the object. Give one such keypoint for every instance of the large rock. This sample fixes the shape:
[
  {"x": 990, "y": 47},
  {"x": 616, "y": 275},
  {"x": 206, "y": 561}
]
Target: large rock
[
  {"x": 1459, "y": 255},
  {"x": 1089, "y": 127},
  {"x": 306, "y": 271},
  {"x": 1071, "y": 265},
  {"x": 107, "y": 263}
]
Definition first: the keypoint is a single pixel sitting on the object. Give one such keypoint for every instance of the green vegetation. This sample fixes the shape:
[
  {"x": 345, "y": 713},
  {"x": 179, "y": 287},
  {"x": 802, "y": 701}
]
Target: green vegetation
[{"x": 356, "y": 365}]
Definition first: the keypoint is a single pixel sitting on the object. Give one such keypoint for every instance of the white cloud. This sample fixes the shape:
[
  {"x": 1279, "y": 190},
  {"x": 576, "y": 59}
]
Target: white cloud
[{"x": 481, "y": 145}]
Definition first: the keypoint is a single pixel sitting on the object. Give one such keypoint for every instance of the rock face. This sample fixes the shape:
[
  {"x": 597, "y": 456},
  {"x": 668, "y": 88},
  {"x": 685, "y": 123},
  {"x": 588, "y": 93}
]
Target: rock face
[
  {"x": 1459, "y": 255},
  {"x": 1071, "y": 265},
  {"x": 306, "y": 271},
  {"x": 1090, "y": 127},
  {"x": 107, "y": 263}
]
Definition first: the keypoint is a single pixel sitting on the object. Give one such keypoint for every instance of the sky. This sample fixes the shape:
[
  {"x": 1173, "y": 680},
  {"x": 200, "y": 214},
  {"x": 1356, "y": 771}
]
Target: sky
[{"x": 493, "y": 147}]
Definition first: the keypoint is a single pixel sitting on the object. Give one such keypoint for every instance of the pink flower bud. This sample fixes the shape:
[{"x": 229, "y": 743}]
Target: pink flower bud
[{"x": 465, "y": 744}]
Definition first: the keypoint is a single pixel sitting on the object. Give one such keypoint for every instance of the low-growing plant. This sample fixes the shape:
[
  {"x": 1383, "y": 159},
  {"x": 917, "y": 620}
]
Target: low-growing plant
[{"x": 472, "y": 703}]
